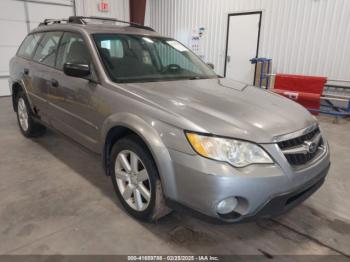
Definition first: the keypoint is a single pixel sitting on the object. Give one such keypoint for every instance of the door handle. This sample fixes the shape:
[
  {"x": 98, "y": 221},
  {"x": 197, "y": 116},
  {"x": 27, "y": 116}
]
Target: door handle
[
  {"x": 228, "y": 59},
  {"x": 26, "y": 71},
  {"x": 54, "y": 82}
]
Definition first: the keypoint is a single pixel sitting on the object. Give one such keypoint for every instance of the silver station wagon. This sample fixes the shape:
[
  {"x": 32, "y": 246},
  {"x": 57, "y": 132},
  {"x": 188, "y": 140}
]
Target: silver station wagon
[{"x": 171, "y": 133}]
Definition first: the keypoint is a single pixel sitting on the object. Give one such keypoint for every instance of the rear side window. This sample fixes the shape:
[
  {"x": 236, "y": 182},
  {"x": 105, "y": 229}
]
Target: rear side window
[
  {"x": 29, "y": 44},
  {"x": 46, "y": 51}
]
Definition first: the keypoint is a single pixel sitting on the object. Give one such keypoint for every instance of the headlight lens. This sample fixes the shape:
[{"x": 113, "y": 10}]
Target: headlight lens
[{"x": 236, "y": 152}]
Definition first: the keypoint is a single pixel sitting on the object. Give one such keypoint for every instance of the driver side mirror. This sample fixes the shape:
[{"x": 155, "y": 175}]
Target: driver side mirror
[
  {"x": 211, "y": 65},
  {"x": 76, "y": 69}
]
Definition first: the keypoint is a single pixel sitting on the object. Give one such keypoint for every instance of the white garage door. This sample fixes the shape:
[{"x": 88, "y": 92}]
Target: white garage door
[{"x": 17, "y": 18}]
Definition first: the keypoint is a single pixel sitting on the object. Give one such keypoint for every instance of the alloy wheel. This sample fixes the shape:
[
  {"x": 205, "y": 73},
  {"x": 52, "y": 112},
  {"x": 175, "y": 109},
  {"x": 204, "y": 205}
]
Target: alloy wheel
[
  {"x": 133, "y": 180},
  {"x": 22, "y": 114}
]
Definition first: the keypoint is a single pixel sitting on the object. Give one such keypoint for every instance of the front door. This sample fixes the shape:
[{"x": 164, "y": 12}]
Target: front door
[
  {"x": 73, "y": 108},
  {"x": 243, "y": 32}
]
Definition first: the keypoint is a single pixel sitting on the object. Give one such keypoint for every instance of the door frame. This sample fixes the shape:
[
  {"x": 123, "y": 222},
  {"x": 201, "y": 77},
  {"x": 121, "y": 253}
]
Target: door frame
[{"x": 228, "y": 34}]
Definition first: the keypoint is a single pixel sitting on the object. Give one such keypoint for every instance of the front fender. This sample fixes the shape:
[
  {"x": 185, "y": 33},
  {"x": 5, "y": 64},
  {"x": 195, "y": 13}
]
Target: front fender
[{"x": 154, "y": 142}]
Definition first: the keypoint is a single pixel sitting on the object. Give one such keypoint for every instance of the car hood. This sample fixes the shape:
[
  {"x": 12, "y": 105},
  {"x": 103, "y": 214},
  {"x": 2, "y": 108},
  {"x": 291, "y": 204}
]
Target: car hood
[{"x": 225, "y": 107}]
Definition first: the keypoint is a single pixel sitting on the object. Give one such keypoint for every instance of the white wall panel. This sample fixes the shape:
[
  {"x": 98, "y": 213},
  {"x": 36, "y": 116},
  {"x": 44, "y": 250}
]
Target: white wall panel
[
  {"x": 12, "y": 33},
  {"x": 38, "y": 12},
  {"x": 14, "y": 16},
  {"x": 7, "y": 52},
  {"x": 301, "y": 36},
  {"x": 117, "y": 9},
  {"x": 4, "y": 87},
  {"x": 7, "y": 10}
]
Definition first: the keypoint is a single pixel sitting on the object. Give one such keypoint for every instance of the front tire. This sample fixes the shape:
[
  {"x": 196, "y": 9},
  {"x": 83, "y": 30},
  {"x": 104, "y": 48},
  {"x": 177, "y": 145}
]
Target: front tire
[
  {"x": 27, "y": 125},
  {"x": 136, "y": 180}
]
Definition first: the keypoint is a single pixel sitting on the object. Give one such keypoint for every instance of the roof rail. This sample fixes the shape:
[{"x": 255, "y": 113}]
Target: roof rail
[
  {"x": 53, "y": 21},
  {"x": 81, "y": 20}
]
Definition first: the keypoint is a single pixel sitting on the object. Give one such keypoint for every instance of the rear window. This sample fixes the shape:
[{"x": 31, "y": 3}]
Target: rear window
[{"x": 29, "y": 44}]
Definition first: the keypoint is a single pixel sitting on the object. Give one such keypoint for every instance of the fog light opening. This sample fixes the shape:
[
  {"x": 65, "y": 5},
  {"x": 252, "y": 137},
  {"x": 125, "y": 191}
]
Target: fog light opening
[{"x": 227, "y": 205}]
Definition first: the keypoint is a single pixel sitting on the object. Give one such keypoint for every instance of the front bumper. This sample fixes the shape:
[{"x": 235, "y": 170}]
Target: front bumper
[
  {"x": 282, "y": 203},
  {"x": 267, "y": 190}
]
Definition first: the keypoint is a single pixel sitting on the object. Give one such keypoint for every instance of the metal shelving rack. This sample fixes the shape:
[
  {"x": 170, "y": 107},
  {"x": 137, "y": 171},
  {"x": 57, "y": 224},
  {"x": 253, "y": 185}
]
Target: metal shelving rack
[{"x": 335, "y": 99}]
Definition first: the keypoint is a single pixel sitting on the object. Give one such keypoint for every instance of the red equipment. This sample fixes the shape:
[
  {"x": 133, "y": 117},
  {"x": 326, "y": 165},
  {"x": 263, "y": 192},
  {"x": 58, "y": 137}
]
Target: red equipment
[{"x": 306, "y": 90}]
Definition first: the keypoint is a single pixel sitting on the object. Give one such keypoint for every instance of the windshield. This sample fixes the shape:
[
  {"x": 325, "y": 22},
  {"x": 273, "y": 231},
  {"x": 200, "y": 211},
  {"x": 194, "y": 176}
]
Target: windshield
[{"x": 132, "y": 58}]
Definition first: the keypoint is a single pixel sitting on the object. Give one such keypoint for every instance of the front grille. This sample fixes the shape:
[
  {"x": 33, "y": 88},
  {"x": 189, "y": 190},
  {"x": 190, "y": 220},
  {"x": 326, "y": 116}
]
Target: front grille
[
  {"x": 298, "y": 140},
  {"x": 300, "y": 158}
]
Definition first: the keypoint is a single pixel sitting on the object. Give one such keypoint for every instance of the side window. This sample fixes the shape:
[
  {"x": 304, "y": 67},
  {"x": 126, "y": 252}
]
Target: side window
[
  {"x": 29, "y": 44},
  {"x": 46, "y": 51},
  {"x": 72, "y": 50}
]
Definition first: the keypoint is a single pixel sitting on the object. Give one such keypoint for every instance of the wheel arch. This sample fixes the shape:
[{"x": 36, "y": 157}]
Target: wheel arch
[
  {"x": 122, "y": 124},
  {"x": 16, "y": 87}
]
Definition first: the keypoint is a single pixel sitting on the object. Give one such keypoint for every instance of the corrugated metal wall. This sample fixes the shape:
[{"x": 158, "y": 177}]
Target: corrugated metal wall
[
  {"x": 301, "y": 36},
  {"x": 118, "y": 8}
]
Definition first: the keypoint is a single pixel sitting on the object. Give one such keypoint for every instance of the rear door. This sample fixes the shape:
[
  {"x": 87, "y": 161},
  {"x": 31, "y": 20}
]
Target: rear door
[
  {"x": 23, "y": 69},
  {"x": 41, "y": 70}
]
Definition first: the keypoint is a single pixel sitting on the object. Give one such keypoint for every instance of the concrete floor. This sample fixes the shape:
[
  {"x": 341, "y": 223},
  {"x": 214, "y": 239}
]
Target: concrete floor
[{"x": 55, "y": 199}]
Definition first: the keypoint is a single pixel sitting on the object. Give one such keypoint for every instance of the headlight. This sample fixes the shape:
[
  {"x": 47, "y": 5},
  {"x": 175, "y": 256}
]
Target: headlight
[{"x": 236, "y": 152}]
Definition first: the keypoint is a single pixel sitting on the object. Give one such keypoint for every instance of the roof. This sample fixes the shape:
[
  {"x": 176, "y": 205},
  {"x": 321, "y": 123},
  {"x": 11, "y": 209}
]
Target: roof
[
  {"x": 79, "y": 23},
  {"x": 98, "y": 28}
]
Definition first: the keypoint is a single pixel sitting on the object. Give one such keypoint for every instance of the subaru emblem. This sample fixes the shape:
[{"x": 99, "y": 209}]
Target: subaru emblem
[{"x": 311, "y": 147}]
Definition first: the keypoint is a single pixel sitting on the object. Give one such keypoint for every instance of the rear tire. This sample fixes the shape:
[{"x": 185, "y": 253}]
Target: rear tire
[
  {"x": 136, "y": 180},
  {"x": 27, "y": 125}
]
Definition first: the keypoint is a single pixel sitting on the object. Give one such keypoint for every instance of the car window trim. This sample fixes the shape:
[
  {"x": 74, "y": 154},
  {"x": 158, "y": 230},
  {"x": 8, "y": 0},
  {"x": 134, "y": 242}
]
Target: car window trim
[
  {"x": 58, "y": 49},
  {"x": 97, "y": 81}
]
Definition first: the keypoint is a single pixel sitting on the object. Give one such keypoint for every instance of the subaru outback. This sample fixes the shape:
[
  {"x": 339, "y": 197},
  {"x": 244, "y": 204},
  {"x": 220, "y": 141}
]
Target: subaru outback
[{"x": 171, "y": 133}]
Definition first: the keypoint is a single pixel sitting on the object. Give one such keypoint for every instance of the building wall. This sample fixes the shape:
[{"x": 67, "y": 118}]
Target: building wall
[
  {"x": 301, "y": 36},
  {"x": 118, "y": 8},
  {"x": 17, "y": 19}
]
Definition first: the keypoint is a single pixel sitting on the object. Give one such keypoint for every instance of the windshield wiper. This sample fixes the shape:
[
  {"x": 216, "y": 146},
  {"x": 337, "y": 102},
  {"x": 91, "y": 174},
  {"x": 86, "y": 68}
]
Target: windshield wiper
[
  {"x": 199, "y": 77},
  {"x": 195, "y": 78}
]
